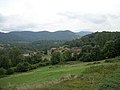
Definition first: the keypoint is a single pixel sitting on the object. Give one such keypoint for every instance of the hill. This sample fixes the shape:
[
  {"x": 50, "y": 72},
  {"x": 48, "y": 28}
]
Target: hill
[
  {"x": 28, "y": 36},
  {"x": 97, "y": 38},
  {"x": 83, "y": 33}
]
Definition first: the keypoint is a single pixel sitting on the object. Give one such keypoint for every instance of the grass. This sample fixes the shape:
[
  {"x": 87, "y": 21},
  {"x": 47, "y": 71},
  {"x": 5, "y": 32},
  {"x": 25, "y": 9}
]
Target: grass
[
  {"x": 78, "y": 76},
  {"x": 97, "y": 77},
  {"x": 41, "y": 75}
]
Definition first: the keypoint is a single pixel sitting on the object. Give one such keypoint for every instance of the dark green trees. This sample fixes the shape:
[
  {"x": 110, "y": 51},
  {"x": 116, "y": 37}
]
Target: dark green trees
[
  {"x": 56, "y": 58},
  {"x": 2, "y": 71},
  {"x": 67, "y": 55},
  {"x": 117, "y": 46},
  {"x": 85, "y": 54},
  {"x": 5, "y": 61},
  {"x": 90, "y": 53},
  {"x": 10, "y": 71},
  {"x": 109, "y": 50},
  {"x": 33, "y": 59},
  {"x": 98, "y": 46},
  {"x": 14, "y": 56},
  {"x": 23, "y": 67},
  {"x": 96, "y": 53},
  {"x": 9, "y": 57}
]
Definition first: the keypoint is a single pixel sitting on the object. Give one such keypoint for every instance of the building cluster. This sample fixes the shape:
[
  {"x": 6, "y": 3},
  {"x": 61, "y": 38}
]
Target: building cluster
[{"x": 52, "y": 50}]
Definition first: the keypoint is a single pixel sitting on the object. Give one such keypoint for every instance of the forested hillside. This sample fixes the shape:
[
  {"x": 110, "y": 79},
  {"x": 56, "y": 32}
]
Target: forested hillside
[
  {"x": 98, "y": 38},
  {"x": 97, "y": 46},
  {"x": 27, "y": 36}
]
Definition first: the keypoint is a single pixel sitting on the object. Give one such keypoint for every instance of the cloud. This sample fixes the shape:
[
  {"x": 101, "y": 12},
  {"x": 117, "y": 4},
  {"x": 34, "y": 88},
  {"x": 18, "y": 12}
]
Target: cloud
[
  {"x": 74, "y": 21},
  {"x": 96, "y": 21},
  {"x": 88, "y": 18},
  {"x": 53, "y": 15},
  {"x": 2, "y": 18},
  {"x": 15, "y": 23}
]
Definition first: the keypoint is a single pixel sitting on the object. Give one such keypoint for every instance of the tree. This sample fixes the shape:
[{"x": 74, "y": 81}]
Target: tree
[
  {"x": 56, "y": 58},
  {"x": 34, "y": 59},
  {"x": 10, "y": 71},
  {"x": 23, "y": 67},
  {"x": 85, "y": 54},
  {"x": 96, "y": 53},
  {"x": 5, "y": 62},
  {"x": 67, "y": 55},
  {"x": 117, "y": 46},
  {"x": 2, "y": 71},
  {"x": 15, "y": 56},
  {"x": 109, "y": 49},
  {"x": 86, "y": 49},
  {"x": 90, "y": 53},
  {"x": 75, "y": 56},
  {"x": 86, "y": 57}
]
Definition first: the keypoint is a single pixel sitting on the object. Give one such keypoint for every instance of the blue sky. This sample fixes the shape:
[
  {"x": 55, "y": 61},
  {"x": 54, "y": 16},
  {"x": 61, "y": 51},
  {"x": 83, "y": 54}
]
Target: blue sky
[{"x": 54, "y": 15}]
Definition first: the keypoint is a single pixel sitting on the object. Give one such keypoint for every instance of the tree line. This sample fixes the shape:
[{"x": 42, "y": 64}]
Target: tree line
[{"x": 94, "y": 47}]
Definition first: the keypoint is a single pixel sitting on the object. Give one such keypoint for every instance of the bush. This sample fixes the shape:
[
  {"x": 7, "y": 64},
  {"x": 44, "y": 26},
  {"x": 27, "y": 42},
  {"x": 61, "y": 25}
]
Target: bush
[
  {"x": 10, "y": 71},
  {"x": 108, "y": 61},
  {"x": 34, "y": 66},
  {"x": 42, "y": 64},
  {"x": 23, "y": 67},
  {"x": 2, "y": 71}
]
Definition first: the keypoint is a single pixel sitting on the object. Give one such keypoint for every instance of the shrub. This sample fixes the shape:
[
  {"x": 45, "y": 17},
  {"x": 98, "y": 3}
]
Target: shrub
[
  {"x": 10, "y": 71},
  {"x": 108, "y": 61},
  {"x": 23, "y": 67},
  {"x": 2, "y": 71},
  {"x": 34, "y": 66},
  {"x": 45, "y": 63}
]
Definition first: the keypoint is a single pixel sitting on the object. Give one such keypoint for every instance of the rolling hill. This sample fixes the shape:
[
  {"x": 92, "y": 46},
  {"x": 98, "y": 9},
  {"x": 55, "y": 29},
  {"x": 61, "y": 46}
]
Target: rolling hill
[
  {"x": 97, "y": 38},
  {"x": 83, "y": 33},
  {"x": 29, "y": 36}
]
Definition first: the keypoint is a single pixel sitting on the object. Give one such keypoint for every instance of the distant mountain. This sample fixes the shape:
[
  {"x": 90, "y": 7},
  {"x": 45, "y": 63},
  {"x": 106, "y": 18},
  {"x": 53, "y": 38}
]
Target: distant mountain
[
  {"x": 7, "y": 37},
  {"x": 28, "y": 36},
  {"x": 83, "y": 33}
]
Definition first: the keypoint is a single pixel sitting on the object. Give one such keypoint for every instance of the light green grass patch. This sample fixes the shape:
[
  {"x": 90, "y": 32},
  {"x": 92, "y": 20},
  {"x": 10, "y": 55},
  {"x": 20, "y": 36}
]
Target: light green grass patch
[{"x": 41, "y": 75}]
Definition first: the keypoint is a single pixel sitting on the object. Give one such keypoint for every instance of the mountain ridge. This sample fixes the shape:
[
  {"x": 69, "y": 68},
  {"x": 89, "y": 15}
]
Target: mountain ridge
[{"x": 30, "y": 36}]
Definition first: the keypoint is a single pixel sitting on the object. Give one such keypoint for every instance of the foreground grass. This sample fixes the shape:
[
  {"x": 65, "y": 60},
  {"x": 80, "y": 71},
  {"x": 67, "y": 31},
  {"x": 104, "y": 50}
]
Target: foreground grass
[
  {"x": 40, "y": 76},
  {"x": 80, "y": 76},
  {"x": 100, "y": 77}
]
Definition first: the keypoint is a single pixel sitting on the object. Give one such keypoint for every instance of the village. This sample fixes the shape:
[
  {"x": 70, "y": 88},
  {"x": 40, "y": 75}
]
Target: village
[{"x": 49, "y": 52}]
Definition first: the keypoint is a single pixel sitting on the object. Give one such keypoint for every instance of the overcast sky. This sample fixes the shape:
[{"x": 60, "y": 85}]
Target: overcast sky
[{"x": 54, "y": 15}]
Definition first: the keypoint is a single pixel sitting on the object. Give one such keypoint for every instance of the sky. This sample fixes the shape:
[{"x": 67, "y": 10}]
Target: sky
[{"x": 54, "y": 15}]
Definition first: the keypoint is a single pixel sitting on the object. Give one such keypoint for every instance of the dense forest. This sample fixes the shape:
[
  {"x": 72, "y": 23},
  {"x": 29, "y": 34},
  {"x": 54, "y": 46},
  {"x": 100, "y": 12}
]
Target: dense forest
[
  {"x": 97, "y": 46},
  {"x": 37, "y": 45}
]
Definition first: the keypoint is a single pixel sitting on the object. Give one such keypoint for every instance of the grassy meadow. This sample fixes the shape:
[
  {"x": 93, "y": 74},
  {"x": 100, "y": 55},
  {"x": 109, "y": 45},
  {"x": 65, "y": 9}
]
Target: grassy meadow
[{"x": 101, "y": 75}]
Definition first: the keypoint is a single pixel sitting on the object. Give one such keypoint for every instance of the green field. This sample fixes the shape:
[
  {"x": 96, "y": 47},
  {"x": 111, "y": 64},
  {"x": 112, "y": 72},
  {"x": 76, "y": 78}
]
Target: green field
[
  {"x": 41, "y": 75},
  {"x": 65, "y": 77}
]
